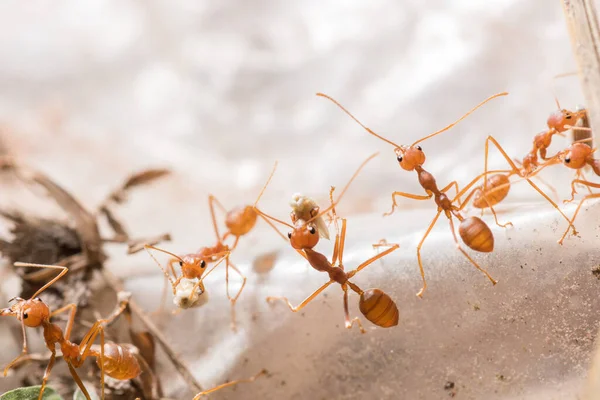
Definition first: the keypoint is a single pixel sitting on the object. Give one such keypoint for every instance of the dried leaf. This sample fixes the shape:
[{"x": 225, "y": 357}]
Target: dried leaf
[
  {"x": 145, "y": 177},
  {"x": 114, "y": 223},
  {"x": 31, "y": 393}
]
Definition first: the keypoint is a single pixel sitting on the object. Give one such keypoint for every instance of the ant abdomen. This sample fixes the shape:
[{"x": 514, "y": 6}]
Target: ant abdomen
[
  {"x": 379, "y": 308},
  {"x": 119, "y": 362},
  {"x": 476, "y": 234},
  {"x": 497, "y": 187},
  {"x": 241, "y": 220}
]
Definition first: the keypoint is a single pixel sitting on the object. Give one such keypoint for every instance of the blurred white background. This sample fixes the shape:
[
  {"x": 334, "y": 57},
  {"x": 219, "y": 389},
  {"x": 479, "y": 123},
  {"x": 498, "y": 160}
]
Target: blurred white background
[{"x": 217, "y": 91}]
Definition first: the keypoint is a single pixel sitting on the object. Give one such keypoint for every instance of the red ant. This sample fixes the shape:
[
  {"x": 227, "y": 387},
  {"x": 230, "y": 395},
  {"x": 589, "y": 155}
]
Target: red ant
[
  {"x": 239, "y": 222},
  {"x": 496, "y": 187},
  {"x": 374, "y": 304},
  {"x": 307, "y": 217},
  {"x": 113, "y": 359},
  {"x": 473, "y": 231}
]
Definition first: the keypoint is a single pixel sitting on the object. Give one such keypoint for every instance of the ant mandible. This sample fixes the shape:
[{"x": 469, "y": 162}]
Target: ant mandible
[
  {"x": 113, "y": 359},
  {"x": 376, "y": 305},
  {"x": 239, "y": 221},
  {"x": 473, "y": 231}
]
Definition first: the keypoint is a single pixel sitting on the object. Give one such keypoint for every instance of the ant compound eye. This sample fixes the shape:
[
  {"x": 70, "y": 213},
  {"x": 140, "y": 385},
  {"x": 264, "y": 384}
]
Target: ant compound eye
[
  {"x": 289, "y": 235},
  {"x": 312, "y": 230},
  {"x": 568, "y": 116},
  {"x": 181, "y": 263},
  {"x": 38, "y": 299},
  {"x": 567, "y": 160},
  {"x": 202, "y": 264},
  {"x": 25, "y": 315},
  {"x": 399, "y": 158},
  {"x": 419, "y": 148}
]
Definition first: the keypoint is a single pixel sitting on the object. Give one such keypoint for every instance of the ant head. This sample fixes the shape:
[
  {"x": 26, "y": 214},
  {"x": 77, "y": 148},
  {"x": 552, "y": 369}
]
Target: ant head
[
  {"x": 410, "y": 157},
  {"x": 304, "y": 235},
  {"x": 32, "y": 312},
  {"x": 576, "y": 155},
  {"x": 558, "y": 119},
  {"x": 192, "y": 266}
]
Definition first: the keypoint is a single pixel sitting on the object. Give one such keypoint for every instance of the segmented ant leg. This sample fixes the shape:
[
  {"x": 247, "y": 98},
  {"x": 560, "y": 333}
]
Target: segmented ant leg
[
  {"x": 163, "y": 297},
  {"x": 550, "y": 187},
  {"x": 304, "y": 302},
  {"x": 23, "y": 352},
  {"x": 348, "y": 321},
  {"x": 47, "y": 373},
  {"x": 454, "y": 185},
  {"x": 88, "y": 352},
  {"x": 212, "y": 200},
  {"x": 431, "y": 225},
  {"x": 407, "y": 195},
  {"x": 459, "y": 247},
  {"x": 78, "y": 381},
  {"x": 248, "y": 380},
  {"x": 392, "y": 247},
  {"x": 234, "y": 299},
  {"x": 589, "y": 196},
  {"x": 72, "y": 310}
]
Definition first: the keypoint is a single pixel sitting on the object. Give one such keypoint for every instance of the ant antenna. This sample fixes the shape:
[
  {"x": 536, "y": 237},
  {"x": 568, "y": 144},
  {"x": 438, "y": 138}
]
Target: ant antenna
[
  {"x": 335, "y": 203},
  {"x": 266, "y": 184},
  {"x": 461, "y": 118},
  {"x": 356, "y": 120},
  {"x": 147, "y": 247},
  {"x": 272, "y": 218},
  {"x": 63, "y": 271}
]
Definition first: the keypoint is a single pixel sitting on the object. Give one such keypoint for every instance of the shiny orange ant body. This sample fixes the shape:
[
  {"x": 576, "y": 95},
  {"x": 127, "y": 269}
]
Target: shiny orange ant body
[
  {"x": 239, "y": 222},
  {"x": 113, "y": 359},
  {"x": 376, "y": 305},
  {"x": 473, "y": 231}
]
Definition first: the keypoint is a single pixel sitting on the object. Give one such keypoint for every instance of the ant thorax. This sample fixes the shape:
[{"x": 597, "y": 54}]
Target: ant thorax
[
  {"x": 185, "y": 298},
  {"x": 305, "y": 208}
]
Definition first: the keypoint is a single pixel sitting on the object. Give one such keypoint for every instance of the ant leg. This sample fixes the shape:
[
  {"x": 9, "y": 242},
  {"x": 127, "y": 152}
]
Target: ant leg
[
  {"x": 450, "y": 185},
  {"x": 23, "y": 352},
  {"x": 459, "y": 247},
  {"x": 73, "y": 309},
  {"x": 47, "y": 373},
  {"x": 224, "y": 385},
  {"x": 349, "y": 322},
  {"x": 431, "y": 225},
  {"x": 589, "y": 196},
  {"x": 233, "y": 300},
  {"x": 77, "y": 380},
  {"x": 393, "y": 247},
  {"x": 63, "y": 271},
  {"x": 407, "y": 195},
  {"x": 212, "y": 200},
  {"x": 88, "y": 352},
  {"x": 163, "y": 297},
  {"x": 304, "y": 302}
]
